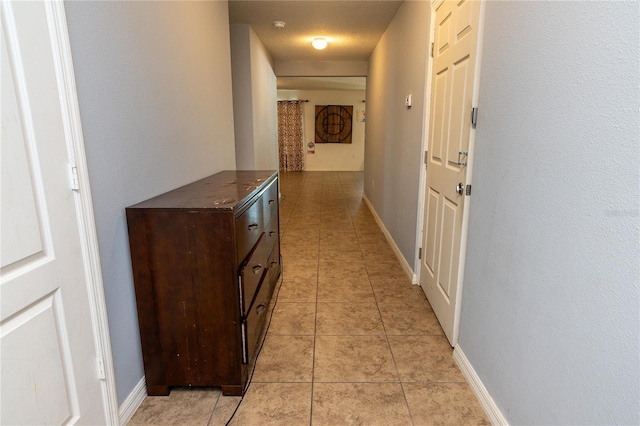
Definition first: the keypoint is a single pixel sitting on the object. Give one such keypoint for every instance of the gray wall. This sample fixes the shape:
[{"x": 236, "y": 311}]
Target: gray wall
[
  {"x": 393, "y": 139},
  {"x": 154, "y": 87},
  {"x": 550, "y": 309},
  {"x": 254, "y": 101}
]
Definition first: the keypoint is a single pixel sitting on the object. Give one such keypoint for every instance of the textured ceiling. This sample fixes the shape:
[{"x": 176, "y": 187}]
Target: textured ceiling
[{"x": 353, "y": 28}]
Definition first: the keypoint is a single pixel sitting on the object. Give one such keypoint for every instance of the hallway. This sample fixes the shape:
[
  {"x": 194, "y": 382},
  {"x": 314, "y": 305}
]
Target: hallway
[{"x": 350, "y": 341}]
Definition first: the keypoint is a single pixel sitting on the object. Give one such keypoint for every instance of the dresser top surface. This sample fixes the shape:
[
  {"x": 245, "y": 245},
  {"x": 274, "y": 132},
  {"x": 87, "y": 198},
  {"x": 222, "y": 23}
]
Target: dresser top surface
[{"x": 227, "y": 190}]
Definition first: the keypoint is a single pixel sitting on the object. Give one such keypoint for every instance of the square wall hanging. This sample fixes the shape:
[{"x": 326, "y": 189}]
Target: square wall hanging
[{"x": 334, "y": 123}]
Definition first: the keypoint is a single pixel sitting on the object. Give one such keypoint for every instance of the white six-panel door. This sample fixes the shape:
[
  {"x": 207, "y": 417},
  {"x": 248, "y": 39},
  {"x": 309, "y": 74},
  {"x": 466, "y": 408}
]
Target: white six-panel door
[
  {"x": 452, "y": 88},
  {"x": 48, "y": 349}
]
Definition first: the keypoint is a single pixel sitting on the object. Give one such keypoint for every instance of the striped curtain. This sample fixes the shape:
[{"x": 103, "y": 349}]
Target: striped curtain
[{"x": 290, "y": 136}]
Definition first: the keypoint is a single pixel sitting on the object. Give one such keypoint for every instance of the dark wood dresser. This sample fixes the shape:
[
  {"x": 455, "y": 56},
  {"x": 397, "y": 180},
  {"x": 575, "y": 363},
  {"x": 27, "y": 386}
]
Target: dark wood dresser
[{"x": 205, "y": 258}]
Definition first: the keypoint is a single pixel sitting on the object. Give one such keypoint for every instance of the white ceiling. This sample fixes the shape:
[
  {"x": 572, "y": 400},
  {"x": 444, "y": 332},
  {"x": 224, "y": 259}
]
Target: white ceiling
[{"x": 353, "y": 28}]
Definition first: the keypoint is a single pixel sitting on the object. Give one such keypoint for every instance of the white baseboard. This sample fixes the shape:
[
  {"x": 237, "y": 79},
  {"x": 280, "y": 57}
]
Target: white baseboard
[
  {"x": 405, "y": 265},
  {"x": 133, "y": 401},
  {"x": 488, "y": 404}
]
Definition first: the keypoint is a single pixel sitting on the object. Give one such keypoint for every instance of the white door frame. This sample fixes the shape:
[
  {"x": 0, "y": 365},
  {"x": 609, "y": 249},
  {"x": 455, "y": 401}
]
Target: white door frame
[
  {"x": 61, "y": 50},
  {"x": 470, "y": 161},
  {"x": 424, "y": 145}
]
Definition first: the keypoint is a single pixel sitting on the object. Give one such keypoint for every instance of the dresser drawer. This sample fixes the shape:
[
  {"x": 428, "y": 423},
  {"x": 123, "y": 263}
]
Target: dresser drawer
[
  {"x": 249, "y": 226},
  {"x": 274, "y": 266},
  {"x": 270, "y": 201},
  {"x": 271, "y": 234},
  {"x": 252, "y": 272},
  {"x": 256, "y": 316}
]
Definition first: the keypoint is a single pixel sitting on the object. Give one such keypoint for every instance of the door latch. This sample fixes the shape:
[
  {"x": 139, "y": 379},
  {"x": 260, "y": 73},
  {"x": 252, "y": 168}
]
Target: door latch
[{"x": 460, "y": 155}]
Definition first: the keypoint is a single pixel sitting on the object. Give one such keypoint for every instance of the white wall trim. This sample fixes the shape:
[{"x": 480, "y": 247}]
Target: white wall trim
[
  {"x": 133, "y": 401},
  {"x": 405, "y": 265},
  {"x": 488, "y": 404},
  {"x": 61, "y": 52}
]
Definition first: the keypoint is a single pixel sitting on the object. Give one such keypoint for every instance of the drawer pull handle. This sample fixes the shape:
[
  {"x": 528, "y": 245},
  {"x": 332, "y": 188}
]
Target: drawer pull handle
[
  {"x": 272, "y": 233},
  {"x": 274, "y": 263},
  {"x": 260, "y": 309},
  {"x": 257, "y": 269},
  {"x": 271, "y": 201},
  {"x": 253, "y": 227}
]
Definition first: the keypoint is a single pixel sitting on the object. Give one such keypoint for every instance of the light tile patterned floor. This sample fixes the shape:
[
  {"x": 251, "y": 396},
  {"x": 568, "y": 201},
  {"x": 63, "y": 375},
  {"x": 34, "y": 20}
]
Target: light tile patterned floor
[{"x": 351, "y": 341}]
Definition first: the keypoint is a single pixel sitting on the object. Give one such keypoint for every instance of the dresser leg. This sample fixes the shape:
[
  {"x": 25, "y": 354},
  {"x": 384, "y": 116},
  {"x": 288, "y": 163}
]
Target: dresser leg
[
  {"x": 231, "y": 390},
  {"x": 157, "y": 390}
]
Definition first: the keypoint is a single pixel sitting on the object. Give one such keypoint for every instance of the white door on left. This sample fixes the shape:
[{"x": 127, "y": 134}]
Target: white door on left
[{"x": 48, "y": 358}]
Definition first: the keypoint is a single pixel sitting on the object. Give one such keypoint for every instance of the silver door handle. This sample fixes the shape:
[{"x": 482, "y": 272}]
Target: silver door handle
[{"x": 460, "y": 188}]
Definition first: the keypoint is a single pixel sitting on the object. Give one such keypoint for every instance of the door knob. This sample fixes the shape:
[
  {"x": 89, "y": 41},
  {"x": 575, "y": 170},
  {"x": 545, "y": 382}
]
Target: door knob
[{"x": 460, "y": 188}]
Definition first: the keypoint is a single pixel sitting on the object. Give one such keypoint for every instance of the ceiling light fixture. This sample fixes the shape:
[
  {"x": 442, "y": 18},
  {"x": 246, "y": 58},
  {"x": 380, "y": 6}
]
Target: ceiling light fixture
[
  {"x": 279, "y": 24},
  {"x": 319, "y": 43}
]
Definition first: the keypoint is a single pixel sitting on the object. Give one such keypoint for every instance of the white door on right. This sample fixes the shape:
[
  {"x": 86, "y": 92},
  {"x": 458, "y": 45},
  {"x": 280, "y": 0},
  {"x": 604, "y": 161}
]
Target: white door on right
[{"x": 450, "y": 129}]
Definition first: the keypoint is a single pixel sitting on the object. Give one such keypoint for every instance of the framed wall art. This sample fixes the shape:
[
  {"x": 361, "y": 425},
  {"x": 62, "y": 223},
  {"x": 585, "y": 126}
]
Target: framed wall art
[{"x": 334, "y": 123}]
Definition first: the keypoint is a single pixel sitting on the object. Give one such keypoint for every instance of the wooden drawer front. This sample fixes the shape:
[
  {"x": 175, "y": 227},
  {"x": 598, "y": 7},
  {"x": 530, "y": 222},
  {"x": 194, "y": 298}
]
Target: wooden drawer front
[
  {"x": 274, "y": 266},
  {"x": 255, "y": 320},
  {"x": 270, "y": 201},
  {"x": 249, "y": 226},
  {"x": 252, "y": 272},
  {"x": 271, "y": 234}
]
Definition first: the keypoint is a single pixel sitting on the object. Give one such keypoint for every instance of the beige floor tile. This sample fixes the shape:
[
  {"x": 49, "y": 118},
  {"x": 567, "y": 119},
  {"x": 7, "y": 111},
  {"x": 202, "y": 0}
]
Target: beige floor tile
[
  {"x": 371, "y": 238},
  {"x": 409, "y": 319},
  {"x": 400, "y": 292},
  {"x": 342, "y": 237},
  {"x": 297, "y": 224},
  {"x": 293, "y": 319},
  {"x": 377, "y": 252},
  {"x": 298, "y": 290},
  {"x": 346, "y": 225},
  {"x": 301, "y": 237},
  {"x": 223, "y": 410},
  {"x": 326, "y": 226},
  {"x": 353, "y": 359},
  {"x": 296, "y": 269},
  {"x": 345, "y": 290},
  {"x": 392, "y": 280},
  {"x": 390, "y": 269},
  {"x": 332, "y": 270},
  {"x": 444, "y": 404},
  {"x": 338, "y": 235},
  {"x": 285, "y": 359},
  {"x": 299, "y": 253},
  {"x": 340, "y": 246},
  {"x": 367, "y": 404},
  {"x": 336, "y": 254},
  {"x": 184, "y": 406},
  {"x": 286, "y": 404},
  {"x": 348, "y": 319},
  {"x": 424, "y": 359},
  {"x": 364, "y": 223},
  {"x": 343, "y": 282}
]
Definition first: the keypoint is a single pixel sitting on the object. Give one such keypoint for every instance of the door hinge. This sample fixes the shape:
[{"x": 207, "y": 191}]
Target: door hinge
[
  {"x": 75, "y": 181},
  {"x": 474, "y": 116},
  {"x": 432, "y": 49},
  {"x": 420, "y": 253},
  {"x": 101, "y": 373},
  {"x": 468, "y": 192}
]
